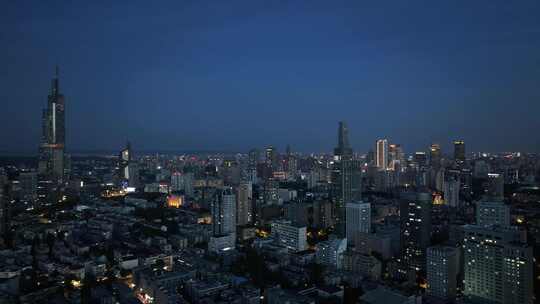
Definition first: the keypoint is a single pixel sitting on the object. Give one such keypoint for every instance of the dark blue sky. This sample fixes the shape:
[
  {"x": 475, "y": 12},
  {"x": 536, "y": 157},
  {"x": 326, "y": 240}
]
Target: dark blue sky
[{"x": 239, "y": 74}]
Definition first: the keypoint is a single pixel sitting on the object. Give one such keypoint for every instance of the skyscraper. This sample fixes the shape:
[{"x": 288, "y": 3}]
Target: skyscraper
[
  {"x": 343, "y": 149},
  {"x": 435, "y": 155},
  {"x": 396, "y": 158},
  {"x": 124, "y": 162},
  {"x": 52, "y": 147},
  {"x": 244, "y": 208},
  {"x": 495, "y": 186},
  {"x": 442, "y": 271},
  {"x": 346, "y": 178},
  {"x": 381, "y": 159},
  {"x": 224, "y": 212},
  {"x": 358, "y": 219},
  {"x": 271, "y": 158},
  {"x": 415, "y": 217},
  {"x": 459, "y": 151}
]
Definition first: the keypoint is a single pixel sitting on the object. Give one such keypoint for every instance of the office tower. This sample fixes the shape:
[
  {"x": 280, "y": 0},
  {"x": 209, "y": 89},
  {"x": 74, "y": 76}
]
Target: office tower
[
  {"x": 350, "y": 180},
  {"x": 420, "y": 158},
  {"x": 224, "y": 212},
  {"x": 358, "y": 219},
  {"x": 253, "y": 158},
  {"x": 396, "y": 157},
  {"x": 495, "y": 186},
  {"x": 343, "y": 149},
  {"x": 51, "y": 150},
  {"x": 271, "y": 158},
  {"x": 346, "y": 187},
  {"x": 244, "y": 208},
  {"x": 498, "y": 265},
  {"x": 459, "y": 151},
  {"x": 451, "y": 192},
  {"x": 124, "y": 164},
  {"x": 346, "y": 178},
  {"x": 442, "y": 271},
  {"x": 291, "y": 163},
  {"x": 492, "y": 213},
  {"x": 253, "y": 161},
  {"x": 28, "y": 181},
  {"x": 330, "y": 252},
  {"x": 381, "y": 160},
  {"x": 287, "y": 234},
  {"x": 415, "y": 218},
  {"x": 435, "y": 155}
]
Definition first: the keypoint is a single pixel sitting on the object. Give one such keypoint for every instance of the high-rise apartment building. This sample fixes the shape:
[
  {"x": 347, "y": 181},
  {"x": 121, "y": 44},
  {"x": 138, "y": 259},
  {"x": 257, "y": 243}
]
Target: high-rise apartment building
[
  {"x": 498, "y": 265},
  {"x": 224, "y": 212},
  {"x": 244, "y": 207},
  {"x": 415, "y": 217},
  {"x": 492, "y": 213},
  {"x": 442, "y": 270}
]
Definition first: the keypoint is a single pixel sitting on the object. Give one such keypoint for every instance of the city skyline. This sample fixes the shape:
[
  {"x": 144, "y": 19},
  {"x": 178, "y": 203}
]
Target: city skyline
[
  {"x": 269, "y": 152},
  {"x": 247, "y": 75}
]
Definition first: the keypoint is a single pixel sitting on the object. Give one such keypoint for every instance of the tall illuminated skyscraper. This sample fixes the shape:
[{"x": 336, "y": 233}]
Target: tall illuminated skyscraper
[
  {"x": 125, "y": 160},
  {"x": 381, "y": 159},
  {"x": 415, "y": 217},
  {"x": 53, "y": 137}
]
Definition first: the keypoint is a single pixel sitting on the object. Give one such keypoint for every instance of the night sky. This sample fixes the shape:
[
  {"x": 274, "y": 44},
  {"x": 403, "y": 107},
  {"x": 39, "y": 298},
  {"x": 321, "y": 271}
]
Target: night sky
[{"x": 232, "y": 75}]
